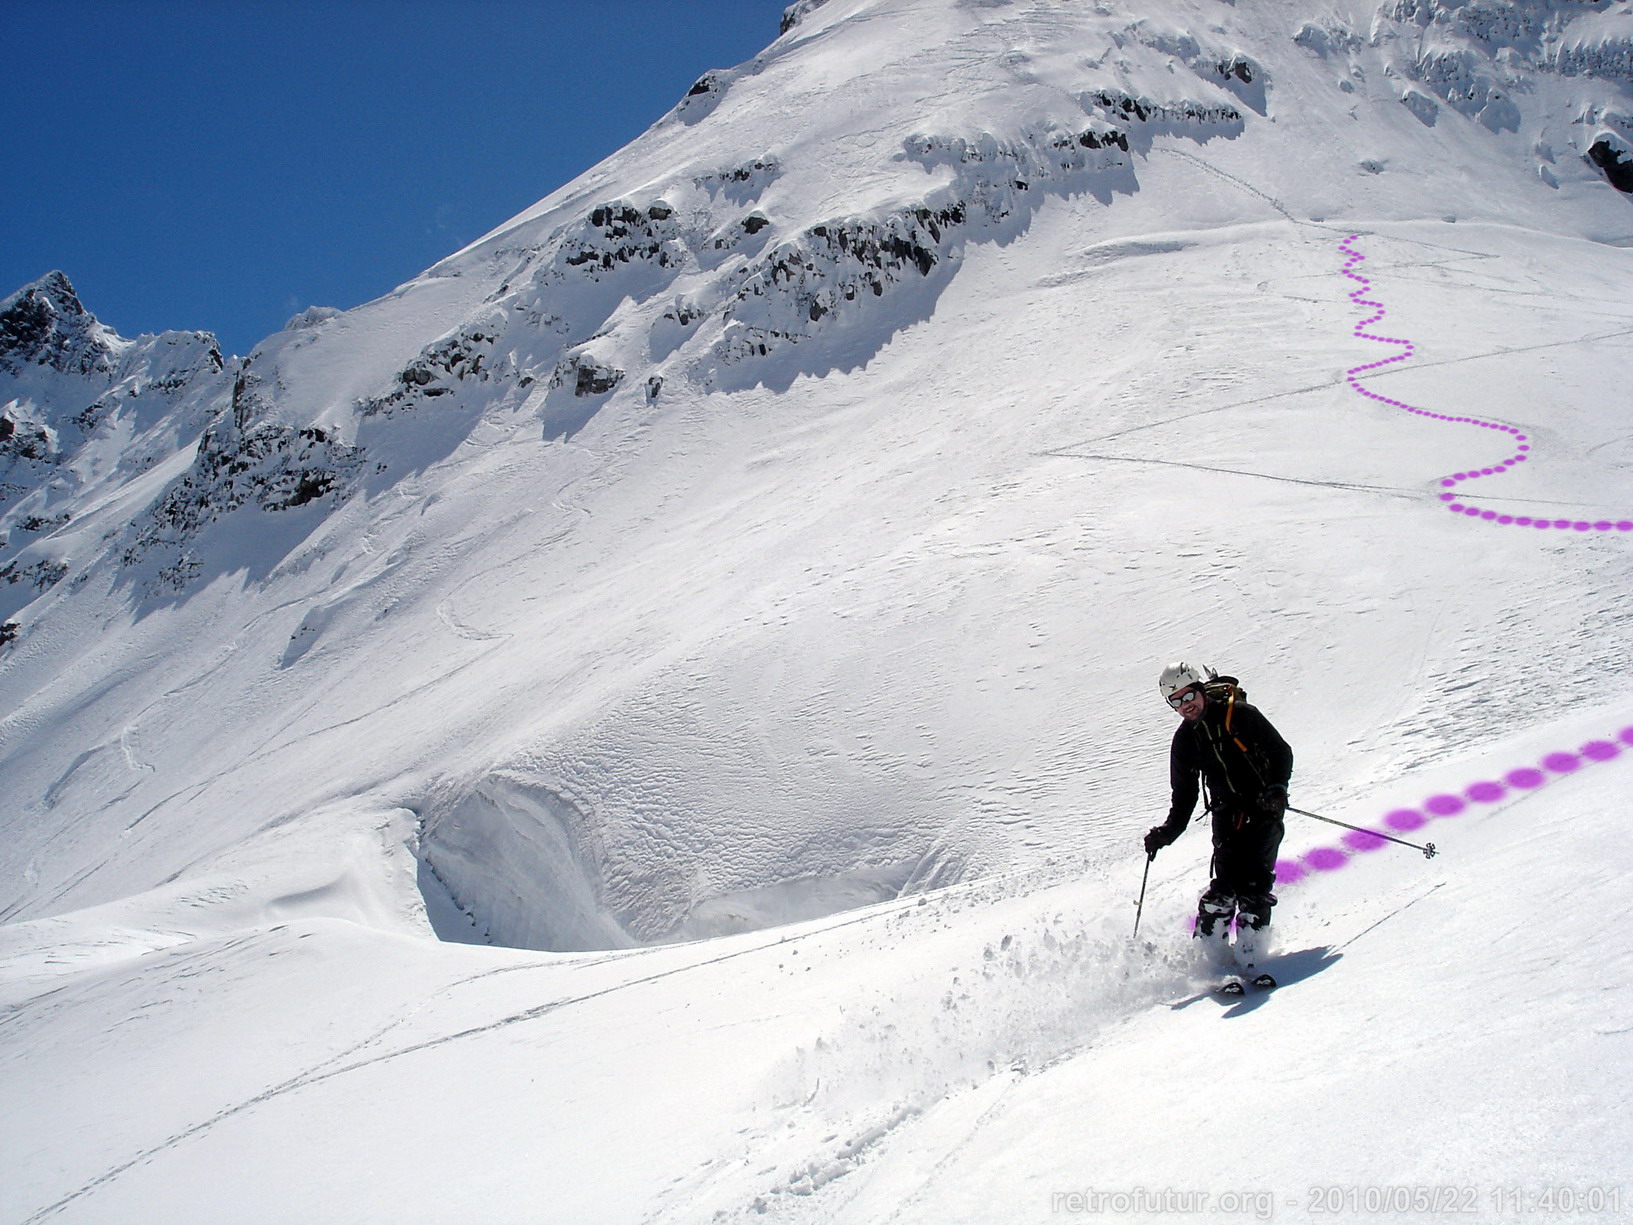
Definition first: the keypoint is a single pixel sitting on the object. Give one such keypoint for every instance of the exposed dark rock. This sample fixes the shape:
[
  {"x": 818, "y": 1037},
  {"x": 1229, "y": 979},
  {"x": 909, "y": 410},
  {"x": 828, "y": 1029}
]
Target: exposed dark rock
[
  {"x": 586, "y": 376},
  {"x": 212, "y": 355},
  {"x": 879, "y": 247},
  {"x": 458, "y": 358},
  {"x": 938, "y": 220},
  {"x": 26, "y": 440},
  {"x": 269, "y": 465},
  {"x": 596, "y": 380},
  {"x": 811, "y": 277},
  {"x": 1617, "y": 164},
  {"x": 45, "y": 324},
  {"x": 41, "y": 575},
  {"x": 1610, "y": 58},
  {"x": 704, "y": 95},
  {"x": 620, "y": 234},
  {"x": 1461, "y": 78},
  {"x": 1126, "y": 104},
  {"x": 794, "y": 13},
  {"x": 741, "y": 181},
  {"x": 1498, "y": 32},
  {"x": 31, "y": 319},
  {"x": 684, "y": 313},
  {"x": 158, "y": 391},
  {"x": 8, "y": 632},
  {"x": 802, "y": 281},
  {"x": 246, "y": 400},
  {"x": 310, "y": 486},
  {"x": 1499, "y": 25}
]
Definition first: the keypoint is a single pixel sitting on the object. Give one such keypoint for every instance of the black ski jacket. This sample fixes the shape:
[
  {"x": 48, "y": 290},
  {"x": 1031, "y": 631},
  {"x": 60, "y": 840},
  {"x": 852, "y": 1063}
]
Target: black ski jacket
[{"x": 1237, "y": 763}]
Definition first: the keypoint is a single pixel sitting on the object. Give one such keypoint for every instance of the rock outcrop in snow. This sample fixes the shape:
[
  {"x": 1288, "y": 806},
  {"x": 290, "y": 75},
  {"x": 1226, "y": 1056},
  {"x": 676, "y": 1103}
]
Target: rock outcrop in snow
[
  {"x": 1480, "y": 57},
  {"x": 84, "y": 413},
  {"x": 43, "y": 324}
]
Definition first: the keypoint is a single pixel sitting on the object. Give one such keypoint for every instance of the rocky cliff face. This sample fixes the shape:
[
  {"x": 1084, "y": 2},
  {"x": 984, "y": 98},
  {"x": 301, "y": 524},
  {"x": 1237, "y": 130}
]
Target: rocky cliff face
[
  {"x": 43, "y": 324},
  {"x": 1481, "y": 57},
  {"x": 83, "y": 414}
]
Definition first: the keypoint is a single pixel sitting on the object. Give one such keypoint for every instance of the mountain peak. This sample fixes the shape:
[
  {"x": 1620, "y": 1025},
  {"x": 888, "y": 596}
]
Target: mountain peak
[
  {"x": 56, "y": 286},
  {"x": 44, "y": 323}
]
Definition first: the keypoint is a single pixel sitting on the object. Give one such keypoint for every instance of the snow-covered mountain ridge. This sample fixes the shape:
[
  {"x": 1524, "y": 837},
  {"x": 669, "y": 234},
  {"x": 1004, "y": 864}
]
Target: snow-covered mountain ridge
[
  {"x": 690, "y": 272},
  {"x": 789, "y": 516}
]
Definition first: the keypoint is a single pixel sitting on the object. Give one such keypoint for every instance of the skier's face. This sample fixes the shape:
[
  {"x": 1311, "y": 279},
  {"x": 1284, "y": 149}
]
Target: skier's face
[{"x": 1190, "y": 702}]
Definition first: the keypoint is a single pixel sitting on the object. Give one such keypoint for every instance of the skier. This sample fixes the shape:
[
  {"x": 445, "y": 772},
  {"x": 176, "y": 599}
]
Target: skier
[{"x": 1244, "y": 764}]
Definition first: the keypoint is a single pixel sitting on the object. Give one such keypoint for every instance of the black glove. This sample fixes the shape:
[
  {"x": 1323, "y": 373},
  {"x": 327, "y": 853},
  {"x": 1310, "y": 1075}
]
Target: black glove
[
  {"x": 1158, "y": 837},
  {"x": 1274, "y": 801}
]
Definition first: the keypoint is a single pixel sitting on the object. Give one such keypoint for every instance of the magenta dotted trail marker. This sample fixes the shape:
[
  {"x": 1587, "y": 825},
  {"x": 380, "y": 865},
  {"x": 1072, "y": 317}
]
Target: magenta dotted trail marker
[
  {"x": 1521, "y": 443},
  {"x": 1517, "y": 782}
]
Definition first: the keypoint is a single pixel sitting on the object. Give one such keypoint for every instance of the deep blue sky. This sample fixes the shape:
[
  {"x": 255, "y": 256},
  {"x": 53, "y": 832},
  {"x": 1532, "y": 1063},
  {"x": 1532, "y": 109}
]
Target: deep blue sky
[{"x": 221, "y": 164}]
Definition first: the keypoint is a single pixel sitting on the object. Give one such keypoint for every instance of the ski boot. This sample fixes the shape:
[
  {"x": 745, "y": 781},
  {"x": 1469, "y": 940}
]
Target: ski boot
[
  {"x": 1213, "y": 915},
  {"x": 1253, "y": 937}
]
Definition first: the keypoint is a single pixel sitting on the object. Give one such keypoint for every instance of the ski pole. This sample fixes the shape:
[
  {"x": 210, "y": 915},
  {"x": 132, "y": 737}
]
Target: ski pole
[
  {"x": 1427, "y": 848},
  {"x": 1140, "y": 905}
]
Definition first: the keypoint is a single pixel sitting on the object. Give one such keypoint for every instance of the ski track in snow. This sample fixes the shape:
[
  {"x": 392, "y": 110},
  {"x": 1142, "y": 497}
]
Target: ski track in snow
[
  {"x": 1522, "y": 441},
  {"x": 357, "y": 1058}
]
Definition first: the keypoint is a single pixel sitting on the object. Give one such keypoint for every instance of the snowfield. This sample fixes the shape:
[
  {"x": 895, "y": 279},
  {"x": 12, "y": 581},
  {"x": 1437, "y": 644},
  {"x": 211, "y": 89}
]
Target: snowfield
[{"x": 654, "y": 719}]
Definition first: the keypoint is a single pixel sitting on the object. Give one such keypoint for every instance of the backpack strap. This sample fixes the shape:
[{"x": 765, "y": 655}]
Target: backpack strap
[
  {"x": 1228, "y": 690},
  {"x": 1230, "y": 709}
]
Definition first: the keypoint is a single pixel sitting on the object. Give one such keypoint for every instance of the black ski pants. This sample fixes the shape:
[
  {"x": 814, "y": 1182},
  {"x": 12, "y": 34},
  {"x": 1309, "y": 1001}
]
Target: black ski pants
[{"x": 1245, "y": 842}]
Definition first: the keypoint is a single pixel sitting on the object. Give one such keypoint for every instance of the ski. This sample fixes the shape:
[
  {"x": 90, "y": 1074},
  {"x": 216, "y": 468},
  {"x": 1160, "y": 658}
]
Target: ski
[{"x": 1235, "y": 986}]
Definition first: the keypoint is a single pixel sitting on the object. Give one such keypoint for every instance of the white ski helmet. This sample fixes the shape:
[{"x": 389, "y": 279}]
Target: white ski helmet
[{"x": 1182, "y": 676}]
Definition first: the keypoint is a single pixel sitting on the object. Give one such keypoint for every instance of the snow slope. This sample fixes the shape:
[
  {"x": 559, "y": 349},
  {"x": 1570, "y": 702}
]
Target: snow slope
[{"x": 535, "y": 608}]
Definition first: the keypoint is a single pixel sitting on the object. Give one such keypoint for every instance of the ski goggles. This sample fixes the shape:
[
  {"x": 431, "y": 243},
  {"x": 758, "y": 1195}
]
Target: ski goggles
[{"x": 1176, "y": 700}]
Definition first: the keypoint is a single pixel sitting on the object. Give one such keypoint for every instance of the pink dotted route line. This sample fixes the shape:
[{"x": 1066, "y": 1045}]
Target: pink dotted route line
[
  {"x": 1521, "y": 441},
  {"x": 1486, "y": 791},
  {"x": 1448, "y": 804},
  {"x": 1404, "y": 820}
]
